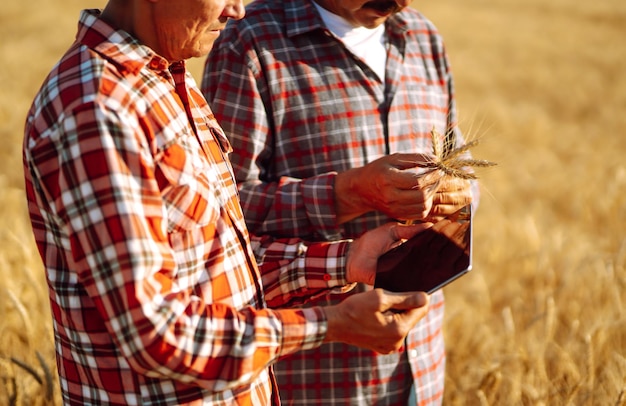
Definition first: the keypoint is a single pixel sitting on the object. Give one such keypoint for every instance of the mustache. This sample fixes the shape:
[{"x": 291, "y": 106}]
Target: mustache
[{"x": 383, "y": 6}]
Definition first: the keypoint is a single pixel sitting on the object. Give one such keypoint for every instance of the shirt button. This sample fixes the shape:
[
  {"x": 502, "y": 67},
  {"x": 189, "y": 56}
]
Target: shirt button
[
  {"x": 413, "y": 353},
  {"x": 327, "y": 277}
]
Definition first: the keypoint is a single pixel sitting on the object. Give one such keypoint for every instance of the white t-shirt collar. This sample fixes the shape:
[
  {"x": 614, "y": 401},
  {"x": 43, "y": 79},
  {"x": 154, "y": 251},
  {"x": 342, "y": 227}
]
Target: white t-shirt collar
[{"x": 369, "y": 44}]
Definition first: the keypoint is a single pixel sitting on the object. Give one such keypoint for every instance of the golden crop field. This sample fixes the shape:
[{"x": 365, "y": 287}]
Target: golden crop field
[{"x": 541, "y": 319}]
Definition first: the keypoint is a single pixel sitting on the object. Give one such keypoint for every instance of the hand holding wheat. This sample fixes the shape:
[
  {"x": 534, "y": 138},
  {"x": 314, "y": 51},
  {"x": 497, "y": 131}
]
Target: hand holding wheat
[{"x": 449, "y": 160}]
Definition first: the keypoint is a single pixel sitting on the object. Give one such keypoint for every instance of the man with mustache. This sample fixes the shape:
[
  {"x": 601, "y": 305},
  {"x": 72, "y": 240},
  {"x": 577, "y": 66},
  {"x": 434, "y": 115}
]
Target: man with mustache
[{"x": 330, "y": 105}]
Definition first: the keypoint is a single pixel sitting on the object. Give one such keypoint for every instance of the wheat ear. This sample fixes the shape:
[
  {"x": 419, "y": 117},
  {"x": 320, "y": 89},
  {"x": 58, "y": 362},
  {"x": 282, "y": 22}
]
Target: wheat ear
[{"x": 447, "y": 157}]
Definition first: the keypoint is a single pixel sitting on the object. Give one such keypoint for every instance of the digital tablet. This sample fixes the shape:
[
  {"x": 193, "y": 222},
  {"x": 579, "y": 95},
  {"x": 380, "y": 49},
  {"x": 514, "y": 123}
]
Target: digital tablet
[{"x": 431, "y": 259}]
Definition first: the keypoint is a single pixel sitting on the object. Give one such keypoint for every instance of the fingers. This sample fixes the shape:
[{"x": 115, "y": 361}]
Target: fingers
[
  {"x": 405, "y": 311},
  {"x": 416, "y": 179},
  {"x": 452, "y": 195},
  {"x": 406, "y": 161},
  {"x": 450, "y": 183},
  {"x": 363, "y": 253},
  {"x": 410, "y": 196},
  {"x": 411, "y": 171},
  {"x": 428, "y": 180},
  {"x": 453, "y": 190}
]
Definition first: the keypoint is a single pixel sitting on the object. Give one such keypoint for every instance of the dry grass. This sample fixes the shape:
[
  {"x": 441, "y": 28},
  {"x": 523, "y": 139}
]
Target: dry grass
[{"x": 541, "y": 319}]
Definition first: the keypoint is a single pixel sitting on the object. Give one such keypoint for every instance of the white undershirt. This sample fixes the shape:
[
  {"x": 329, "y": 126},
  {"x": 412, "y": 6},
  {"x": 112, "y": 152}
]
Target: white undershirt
[{"x": 368, "y": 44}]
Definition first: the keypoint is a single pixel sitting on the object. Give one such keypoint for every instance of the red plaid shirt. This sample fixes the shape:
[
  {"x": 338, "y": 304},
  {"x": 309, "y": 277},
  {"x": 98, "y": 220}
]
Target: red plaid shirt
[
  {"x": 155, "y": 292},
  {"x": 299, "y": 107}
]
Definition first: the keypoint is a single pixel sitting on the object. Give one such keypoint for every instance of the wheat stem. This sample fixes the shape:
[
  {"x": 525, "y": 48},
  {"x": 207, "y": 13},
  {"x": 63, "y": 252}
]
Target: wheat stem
[
  {"x": 47, "y": 375},
  {"x": 482, "y": 398},
  {"x": 621, "y": 398},
  {"x": 28, "y": 369},
  {"x": 550, "y": 318}
]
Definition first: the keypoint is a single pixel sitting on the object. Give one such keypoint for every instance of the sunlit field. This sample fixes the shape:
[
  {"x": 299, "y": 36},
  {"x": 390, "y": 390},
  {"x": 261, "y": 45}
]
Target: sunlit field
[{"x": 541, "y": 319}]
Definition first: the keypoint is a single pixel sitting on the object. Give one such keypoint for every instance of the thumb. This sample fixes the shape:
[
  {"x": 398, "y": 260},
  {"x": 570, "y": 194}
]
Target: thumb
[
  {"x": 406, "y": 231},
  {"x": 406, "y": 300}
]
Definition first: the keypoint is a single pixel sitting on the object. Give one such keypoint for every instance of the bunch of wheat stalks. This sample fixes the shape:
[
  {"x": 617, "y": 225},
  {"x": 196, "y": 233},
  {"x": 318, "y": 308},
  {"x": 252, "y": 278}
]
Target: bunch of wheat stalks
[{"x": 447, "y": 157}]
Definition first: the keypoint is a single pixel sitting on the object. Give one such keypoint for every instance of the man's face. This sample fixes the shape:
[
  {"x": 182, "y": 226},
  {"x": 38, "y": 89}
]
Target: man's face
[
  {"x": 364, "y": 13},
  {"x": 188, "y": 28}
]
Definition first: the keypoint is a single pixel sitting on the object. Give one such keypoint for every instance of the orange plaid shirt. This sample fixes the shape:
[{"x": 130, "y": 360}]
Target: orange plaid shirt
[{"x": 154, "y": 286}]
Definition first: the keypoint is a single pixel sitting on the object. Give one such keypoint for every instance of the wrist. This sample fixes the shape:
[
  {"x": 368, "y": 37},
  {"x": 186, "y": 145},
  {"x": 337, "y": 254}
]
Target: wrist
[
  {"x": 332, "y": 323},
  {"x": 349, "y": 203}
]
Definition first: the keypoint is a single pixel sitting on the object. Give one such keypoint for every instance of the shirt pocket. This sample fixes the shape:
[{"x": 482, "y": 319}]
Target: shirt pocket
[{"x": 187, "y": 184}]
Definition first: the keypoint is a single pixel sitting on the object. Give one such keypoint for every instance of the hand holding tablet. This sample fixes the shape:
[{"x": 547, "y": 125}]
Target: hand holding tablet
[{"x": 431, "y": 259}]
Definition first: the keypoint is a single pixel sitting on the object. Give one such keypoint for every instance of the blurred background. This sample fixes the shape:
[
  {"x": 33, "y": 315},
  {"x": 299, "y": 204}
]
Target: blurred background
[{"x": 541, "y": 319}]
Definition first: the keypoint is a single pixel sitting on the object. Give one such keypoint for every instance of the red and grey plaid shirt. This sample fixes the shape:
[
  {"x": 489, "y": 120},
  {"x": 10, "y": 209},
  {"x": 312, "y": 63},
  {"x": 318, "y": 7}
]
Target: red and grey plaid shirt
[
  {"x": 155, "y": 292},
  {"x": 299, "y": 107}
]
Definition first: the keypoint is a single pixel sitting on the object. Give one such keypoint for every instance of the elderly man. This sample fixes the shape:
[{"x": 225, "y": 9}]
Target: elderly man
[{"x": 155, "y": 289}]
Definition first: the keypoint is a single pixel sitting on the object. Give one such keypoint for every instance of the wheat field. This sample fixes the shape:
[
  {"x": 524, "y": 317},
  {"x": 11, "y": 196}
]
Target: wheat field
[{"x": 541, "y": 318}]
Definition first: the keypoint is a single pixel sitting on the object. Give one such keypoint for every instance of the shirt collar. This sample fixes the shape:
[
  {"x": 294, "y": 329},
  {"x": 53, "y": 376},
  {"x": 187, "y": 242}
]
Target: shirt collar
[
  {"x": 301, "y": 17},
  {"x": 116, "y": 45}
]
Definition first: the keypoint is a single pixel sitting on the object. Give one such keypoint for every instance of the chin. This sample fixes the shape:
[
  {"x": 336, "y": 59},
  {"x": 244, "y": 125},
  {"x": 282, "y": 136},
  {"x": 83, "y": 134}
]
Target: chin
[
  {"x": 205, "y": 50},
  {"x": 201, "y": 51}
]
